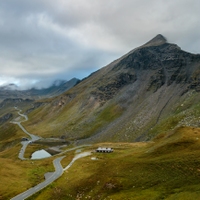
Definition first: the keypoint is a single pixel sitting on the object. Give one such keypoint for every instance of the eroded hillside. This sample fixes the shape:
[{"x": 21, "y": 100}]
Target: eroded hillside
[{"x": 128, "y": 100}]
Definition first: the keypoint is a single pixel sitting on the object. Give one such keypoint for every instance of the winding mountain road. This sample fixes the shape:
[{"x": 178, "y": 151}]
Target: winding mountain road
[
  {"x": 58, "y": 172},
  {"x": 24, "y": 143},
  {"x": 33, "y": 137},
  {"x": 57, "y": 165}
]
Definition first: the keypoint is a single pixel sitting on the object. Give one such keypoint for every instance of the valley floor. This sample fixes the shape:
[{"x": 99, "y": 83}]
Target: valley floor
[{"x": 166, "y": 168}]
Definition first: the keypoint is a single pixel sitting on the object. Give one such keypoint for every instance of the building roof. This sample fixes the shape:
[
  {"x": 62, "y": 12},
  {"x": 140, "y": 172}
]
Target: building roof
[{"x": 104, "y": 149}]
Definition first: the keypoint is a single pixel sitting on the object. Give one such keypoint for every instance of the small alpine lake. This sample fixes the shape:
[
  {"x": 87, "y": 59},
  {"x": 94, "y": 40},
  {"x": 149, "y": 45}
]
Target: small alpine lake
[{"x": 40, "y": 154}]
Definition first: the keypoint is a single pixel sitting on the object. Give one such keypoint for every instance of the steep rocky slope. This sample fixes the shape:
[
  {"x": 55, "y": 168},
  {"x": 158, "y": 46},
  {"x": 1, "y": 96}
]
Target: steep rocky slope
[{"x": 151, "y": 89}]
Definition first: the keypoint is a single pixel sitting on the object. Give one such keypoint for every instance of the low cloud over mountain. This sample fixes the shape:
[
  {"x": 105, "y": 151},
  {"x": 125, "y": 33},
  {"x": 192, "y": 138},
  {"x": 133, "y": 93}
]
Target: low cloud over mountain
[{"x": 45, "y": 40}]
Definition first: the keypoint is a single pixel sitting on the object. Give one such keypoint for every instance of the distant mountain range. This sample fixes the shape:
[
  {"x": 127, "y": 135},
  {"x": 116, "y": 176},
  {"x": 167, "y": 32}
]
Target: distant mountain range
[{"x": 57, "y": 88}]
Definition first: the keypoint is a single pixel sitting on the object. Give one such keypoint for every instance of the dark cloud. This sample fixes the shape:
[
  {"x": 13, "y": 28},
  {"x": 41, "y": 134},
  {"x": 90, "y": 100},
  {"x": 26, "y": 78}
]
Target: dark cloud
[{"x": 44, "y": 40}]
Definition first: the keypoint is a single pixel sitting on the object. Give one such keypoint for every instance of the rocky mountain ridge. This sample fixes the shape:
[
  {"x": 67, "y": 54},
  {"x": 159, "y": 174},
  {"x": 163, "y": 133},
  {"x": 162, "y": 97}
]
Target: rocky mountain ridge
[
  {"x": 152, "y": 89},
  {"x": 130, "y": 98}
]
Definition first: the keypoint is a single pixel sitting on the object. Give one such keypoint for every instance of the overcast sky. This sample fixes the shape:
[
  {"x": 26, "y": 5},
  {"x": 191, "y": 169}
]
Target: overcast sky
[{"x": 45, "y": 40}]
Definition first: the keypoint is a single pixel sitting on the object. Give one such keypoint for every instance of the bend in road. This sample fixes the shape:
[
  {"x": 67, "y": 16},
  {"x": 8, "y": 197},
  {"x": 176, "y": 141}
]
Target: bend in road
[
  {"x": 58, "y": 172},
  {"x": 57, "y": 165},
  {"x": 25, "y": 143},
  {"x": 33, "y": 137}
]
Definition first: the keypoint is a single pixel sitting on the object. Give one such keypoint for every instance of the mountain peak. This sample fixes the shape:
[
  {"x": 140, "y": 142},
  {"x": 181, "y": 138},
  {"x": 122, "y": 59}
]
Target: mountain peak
[{"x": 158, "y": 40}]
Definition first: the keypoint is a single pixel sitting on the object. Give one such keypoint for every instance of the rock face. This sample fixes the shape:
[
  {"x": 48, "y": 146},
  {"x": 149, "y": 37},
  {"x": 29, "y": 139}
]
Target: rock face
[
  {"x": 167, "y": 62},
  {"x": 158, "y": 62},
  {"x": 5, "y": 118},
  {"x": 151, "y": 89},
  {"x": 108, "y": 89}
]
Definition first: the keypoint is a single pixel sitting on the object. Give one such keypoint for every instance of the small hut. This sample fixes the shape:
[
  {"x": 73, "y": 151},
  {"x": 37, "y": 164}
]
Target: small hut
[{"x": 104, "y": 150}]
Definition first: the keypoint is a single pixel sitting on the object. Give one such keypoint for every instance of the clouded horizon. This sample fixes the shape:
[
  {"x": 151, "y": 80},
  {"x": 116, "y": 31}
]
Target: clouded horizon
[{"x": 45, "y": 40}]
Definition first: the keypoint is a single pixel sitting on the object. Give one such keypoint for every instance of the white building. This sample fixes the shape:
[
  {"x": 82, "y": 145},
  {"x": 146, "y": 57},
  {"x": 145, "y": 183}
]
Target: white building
[{"x": 104, "y": 150}]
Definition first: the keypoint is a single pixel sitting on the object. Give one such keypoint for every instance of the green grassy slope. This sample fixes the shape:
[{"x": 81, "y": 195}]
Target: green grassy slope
[
  {"x": 167, "y": 168},
  {"x": 124, "y": 118},
  {"x": 16, "y": 175},
  {"x": 78, "y": 118}
]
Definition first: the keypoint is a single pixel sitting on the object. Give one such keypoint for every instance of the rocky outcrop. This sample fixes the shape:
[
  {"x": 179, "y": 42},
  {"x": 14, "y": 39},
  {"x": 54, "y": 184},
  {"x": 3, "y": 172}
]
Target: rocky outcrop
[
  {"x": 166, "y": 62},
  {"x": 156, "y": 80},
  {"x": 109, "y": 88},
  {"x": 5, "y": 118}
]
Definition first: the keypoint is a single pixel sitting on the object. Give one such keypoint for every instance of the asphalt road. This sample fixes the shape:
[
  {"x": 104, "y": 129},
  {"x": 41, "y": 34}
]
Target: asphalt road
[
  {"x": 33, "y": 137},
  {"x": 58, "y": 172},
  {"x": 22, "y": 150},
  {"x": 24, "y": 143},
  {"x": 25, "y": 116},
  {"x": 55, "y": 175},
  {"x": 57, "y": 165}
]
